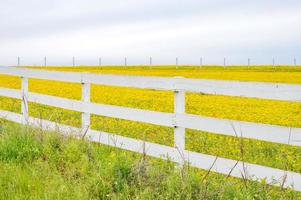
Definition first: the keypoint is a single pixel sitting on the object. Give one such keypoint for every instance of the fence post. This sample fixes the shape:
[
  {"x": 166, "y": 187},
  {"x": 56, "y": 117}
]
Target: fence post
[
  {"x": 24, "y": 101},
  {"x": 201, "y": 62},
  {"x": 179, "y": 108},
  {"x": 295, "y": 61},
  {"x": 85, "y": 99},
  {"x": 249, "y": 62},
  {"x": 73, "y": 61}
]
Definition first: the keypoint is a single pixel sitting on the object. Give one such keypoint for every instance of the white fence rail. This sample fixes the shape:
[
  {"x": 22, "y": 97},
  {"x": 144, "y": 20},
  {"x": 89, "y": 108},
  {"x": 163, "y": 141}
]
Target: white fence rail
[
  {"x": 277, "y": 91},
  {"x": 179, "y": 120}
]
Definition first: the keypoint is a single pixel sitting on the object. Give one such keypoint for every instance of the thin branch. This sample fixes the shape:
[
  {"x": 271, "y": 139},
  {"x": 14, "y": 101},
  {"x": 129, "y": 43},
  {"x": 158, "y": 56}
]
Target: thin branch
[
  {"x": 209, "y": 170},
  {"x": 85, "y": 132}
]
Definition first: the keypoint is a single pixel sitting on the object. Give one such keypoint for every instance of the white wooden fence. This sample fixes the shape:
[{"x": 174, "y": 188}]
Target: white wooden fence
[{"x": 179, "y": 120}]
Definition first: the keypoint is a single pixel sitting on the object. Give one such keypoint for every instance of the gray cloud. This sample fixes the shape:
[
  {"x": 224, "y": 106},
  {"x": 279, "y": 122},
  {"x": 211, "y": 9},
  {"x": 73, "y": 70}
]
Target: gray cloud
[{"x": 164, "y": 29}]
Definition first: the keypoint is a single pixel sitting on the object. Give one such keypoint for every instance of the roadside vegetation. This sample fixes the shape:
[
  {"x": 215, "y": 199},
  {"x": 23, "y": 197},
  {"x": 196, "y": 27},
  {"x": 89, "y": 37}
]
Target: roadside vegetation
[{"x": 37, "y": 164}]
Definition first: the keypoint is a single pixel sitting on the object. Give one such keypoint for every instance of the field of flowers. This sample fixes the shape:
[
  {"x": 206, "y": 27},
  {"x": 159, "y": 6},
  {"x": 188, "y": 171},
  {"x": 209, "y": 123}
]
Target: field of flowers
[
  {"x": 246, "y": 109},
  {"x": 264, "y": 73}
]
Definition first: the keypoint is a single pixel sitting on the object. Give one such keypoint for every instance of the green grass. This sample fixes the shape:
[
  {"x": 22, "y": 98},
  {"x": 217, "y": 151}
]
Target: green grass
[{"x": 37, "y": 164}]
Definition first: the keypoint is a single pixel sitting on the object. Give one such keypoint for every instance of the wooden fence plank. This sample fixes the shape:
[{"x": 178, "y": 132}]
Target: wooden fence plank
[
  {"x": 276, "y": 91},
  {"x": 12, "y": 93}
]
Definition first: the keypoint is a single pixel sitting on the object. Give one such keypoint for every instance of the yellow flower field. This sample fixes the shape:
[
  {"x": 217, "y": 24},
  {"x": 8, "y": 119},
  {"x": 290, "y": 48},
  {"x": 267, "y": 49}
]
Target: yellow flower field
[
  {"x": 282, "y": 74},
  {"x": 246, "y": 109}
]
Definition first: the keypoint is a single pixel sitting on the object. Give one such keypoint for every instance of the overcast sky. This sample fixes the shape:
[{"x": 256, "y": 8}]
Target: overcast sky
[{"x": 138, "y": 29}]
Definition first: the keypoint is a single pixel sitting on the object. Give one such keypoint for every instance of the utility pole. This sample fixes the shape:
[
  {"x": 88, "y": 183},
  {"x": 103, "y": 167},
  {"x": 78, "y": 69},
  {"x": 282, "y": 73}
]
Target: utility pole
[
  {"x": 224, "y": 62},
  {"x": 99, "y": 61},
  {"x": 150, "y": 62},
  {"x": 177, "y": 63},
  {"x": 125, "y": 61},
  {"x": 73, "y": 61},
  {"x": 18, "y": 61},
  {"x": 201, "y": 62},
  {"x": 249, "y": 62},
  {"x": 45, "y": 61},
  {"x": 273, "y": 62},
  {"x": 295, "y": 61}
]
